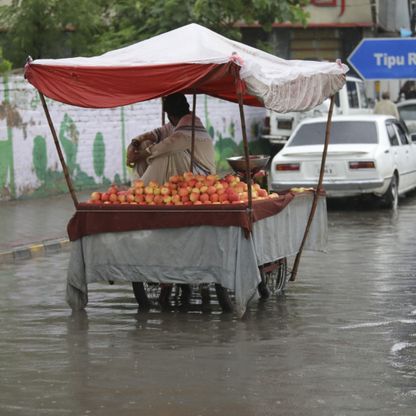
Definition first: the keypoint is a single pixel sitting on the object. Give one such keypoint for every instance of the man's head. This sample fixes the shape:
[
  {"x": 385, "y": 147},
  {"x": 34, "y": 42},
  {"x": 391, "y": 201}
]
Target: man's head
[
  {"x": 176, "y": 106},
  {"x": 385, "y": 95}
]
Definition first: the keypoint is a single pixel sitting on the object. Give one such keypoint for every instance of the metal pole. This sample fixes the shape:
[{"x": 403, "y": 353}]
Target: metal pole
[
  {"x": 246, "y": 150},
  {"x": 193, "y": 132},
  {"x": 58, "y": 149},
  {"x": 163, "y": 112},
  {"x": 317, "y": 191}
]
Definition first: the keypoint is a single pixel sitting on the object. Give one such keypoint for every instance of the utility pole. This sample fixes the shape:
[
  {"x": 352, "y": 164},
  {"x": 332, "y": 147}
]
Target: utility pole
[
  {"x": 374, "y": 16},
  {"x": 412, "y": 14}
]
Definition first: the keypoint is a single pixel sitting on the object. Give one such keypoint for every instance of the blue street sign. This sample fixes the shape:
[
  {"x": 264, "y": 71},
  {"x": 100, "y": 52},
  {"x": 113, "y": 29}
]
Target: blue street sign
[{"x": 385, "y": 58}]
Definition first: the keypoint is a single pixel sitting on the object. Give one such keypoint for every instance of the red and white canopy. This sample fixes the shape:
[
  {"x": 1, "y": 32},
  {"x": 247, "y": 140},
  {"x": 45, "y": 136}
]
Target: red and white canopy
[{"x": 190, "y": 59}]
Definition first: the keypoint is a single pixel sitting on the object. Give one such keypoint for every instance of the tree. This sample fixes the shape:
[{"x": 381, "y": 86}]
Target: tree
[
  {"x": 146, "y": 18},
  {"x": 59, "y": 28},
  {"x": 49, "y": 28}
]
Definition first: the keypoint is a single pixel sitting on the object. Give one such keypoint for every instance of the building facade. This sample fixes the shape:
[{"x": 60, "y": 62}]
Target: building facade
[{"x": 334, "y": 29}]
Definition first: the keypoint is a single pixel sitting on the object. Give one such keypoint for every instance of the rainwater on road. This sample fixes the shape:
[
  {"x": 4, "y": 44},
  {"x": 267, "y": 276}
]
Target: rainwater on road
[{"x": 341, "y": 341}]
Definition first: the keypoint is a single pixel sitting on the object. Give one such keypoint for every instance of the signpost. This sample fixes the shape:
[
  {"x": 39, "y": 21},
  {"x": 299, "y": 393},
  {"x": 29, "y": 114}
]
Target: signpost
[{"x": 385, "y": 58}]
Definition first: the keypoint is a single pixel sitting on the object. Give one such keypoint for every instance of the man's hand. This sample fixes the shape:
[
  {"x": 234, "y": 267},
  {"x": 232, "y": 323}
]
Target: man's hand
[{"x": 135, "y": 154}]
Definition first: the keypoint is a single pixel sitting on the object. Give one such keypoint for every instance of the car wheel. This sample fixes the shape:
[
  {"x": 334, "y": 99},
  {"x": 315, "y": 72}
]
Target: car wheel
[{"x": 390, "y": 199}]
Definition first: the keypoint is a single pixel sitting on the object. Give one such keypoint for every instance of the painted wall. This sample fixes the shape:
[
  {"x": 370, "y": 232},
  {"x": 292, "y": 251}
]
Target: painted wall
[{"x": 94, "y": 141}]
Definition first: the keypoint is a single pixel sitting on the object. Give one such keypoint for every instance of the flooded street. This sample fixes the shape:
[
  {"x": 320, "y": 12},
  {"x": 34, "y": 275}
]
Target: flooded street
[{"x": 342, "y": 341}]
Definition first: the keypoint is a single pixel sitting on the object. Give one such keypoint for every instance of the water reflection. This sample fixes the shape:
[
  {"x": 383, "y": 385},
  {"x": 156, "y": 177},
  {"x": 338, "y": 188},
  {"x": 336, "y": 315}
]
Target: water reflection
[{"x": 341, "y": 340}]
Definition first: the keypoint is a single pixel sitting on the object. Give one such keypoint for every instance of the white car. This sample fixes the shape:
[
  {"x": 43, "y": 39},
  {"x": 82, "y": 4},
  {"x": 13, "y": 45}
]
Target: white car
[
  {"x": 350, "y": 99},
  {"x": 367, "y": 154},
  {"x": 407, "y": 111}
]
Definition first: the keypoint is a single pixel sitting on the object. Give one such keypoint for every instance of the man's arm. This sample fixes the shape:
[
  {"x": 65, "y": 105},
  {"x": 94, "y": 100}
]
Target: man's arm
[
  {"x": 154, "y": 136},
  {"x": 171, "y": 144},
  {"x": 140, "y": 139}
]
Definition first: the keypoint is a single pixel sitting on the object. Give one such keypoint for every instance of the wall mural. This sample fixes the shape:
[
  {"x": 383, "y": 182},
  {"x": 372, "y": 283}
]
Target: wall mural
[{"x": 94, "y": 141}]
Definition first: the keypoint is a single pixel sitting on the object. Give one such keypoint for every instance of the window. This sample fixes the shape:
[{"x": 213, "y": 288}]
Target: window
[
  {"x": 337, "y": 101},
  {"x": 394, "y": 141},
  {"x": 342, "y": 132},
  {"x": 363, "y": 95},
  {"x": 352, "y": 94},
  {"x": 408, "y": 112},
  {"x": 401, "y": 133}
]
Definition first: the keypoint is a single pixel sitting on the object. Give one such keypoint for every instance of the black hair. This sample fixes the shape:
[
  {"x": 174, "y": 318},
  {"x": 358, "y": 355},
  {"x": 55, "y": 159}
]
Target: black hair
[{"x": 176, "y": 105}]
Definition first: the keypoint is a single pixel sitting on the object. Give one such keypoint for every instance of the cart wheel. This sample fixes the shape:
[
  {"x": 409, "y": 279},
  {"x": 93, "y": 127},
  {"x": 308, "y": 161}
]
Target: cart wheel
[
  {"x": 262, "y": 288},
  {"x": 140, "y": 294},
  {"x": 186, "y": 294},
  {"x": 205, "y": 296},
  {"x": 224, "y": 298},
  {"x": 274, "y": 280},
  {"x": 164, "y": 295},
  {"x": 282, "y": 276}
]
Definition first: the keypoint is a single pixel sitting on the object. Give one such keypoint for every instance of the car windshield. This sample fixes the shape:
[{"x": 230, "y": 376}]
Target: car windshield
[
  {"x": 342, "y": 132},
  {"x": 408, "y": 112}
]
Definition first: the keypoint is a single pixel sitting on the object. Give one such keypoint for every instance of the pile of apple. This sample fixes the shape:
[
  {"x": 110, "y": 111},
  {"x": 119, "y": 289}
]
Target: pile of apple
[{"x": 186, "y": 189}]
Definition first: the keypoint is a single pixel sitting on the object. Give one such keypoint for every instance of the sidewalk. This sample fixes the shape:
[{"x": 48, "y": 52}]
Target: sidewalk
[{"x": 34, "y": 227}]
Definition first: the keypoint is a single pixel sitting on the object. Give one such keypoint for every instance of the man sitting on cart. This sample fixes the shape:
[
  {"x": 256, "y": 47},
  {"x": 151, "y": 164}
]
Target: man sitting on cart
[{"x": 166, "y": 151}]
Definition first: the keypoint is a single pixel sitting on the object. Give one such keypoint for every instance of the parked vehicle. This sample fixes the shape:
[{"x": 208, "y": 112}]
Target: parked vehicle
[
  {"x": 351, "y": 99},
  {"x": 407, "y": 111},
  {"x": 367, "y": 154}
]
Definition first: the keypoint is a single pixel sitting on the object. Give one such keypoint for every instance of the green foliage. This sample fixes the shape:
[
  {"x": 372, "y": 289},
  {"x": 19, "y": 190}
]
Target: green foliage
[
  {"x": 5, "y": 64},
  {"x": 60, "y": 28},
  {"x": 68, "y": 136},
  {"x": 222, "y": 16},
  {"x": 98, "y": 152},
  {"x": 50, "y": 28},
  {"x": 40, "y": 157},
  {"x": 224, "y": 148}
]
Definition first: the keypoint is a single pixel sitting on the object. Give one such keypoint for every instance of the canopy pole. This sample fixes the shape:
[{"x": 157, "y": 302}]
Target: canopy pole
[
  {"x": 317, "y": 191},
  {"x": 245, "y": 145},
  {"x": 163, "y": 112},
  {"x": 193, "y": 132},
  {"x": 59, "y": 150}
]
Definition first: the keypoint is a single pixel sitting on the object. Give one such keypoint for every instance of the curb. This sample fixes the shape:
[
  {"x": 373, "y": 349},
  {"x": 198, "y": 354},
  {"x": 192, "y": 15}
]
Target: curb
[{"x": 29, "y": 251}]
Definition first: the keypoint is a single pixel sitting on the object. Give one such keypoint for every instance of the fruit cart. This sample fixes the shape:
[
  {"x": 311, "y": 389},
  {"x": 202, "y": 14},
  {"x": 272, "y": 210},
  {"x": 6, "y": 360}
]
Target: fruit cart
[{"x": 235, "y": 246}]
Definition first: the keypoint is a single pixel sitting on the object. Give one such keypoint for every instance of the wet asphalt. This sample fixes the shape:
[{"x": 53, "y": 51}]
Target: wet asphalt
[{"x": 341, "y": 341}]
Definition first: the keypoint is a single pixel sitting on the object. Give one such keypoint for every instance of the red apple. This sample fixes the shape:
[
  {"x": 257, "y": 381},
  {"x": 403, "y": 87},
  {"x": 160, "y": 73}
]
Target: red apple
[
  {"x": 130, "y": 198},
  {"x": 183, "y": 191},
  {"x": 149, "y": 198},
  {"x": 138, "y": 183},
  {"x": 176, "y": 198},
  {"x": 262, "y": 193},
  {"x": 167, "y": 199},
  {"x": 214, "y": 198},
  {"x": 112, "y": 189},
  {"x": 204, "y": 198},
  {"x": 95, "y": 196},
  {"x": 174, "y": 179},
  {"x": 158, "y": 199},
  {"x": 188, "y": 176},
  {"x": 194, "y": 196},
  {"x": 153, "y": 184}
]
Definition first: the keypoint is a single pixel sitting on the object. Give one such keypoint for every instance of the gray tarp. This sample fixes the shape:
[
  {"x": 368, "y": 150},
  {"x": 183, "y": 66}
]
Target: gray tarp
[{"x": 193, "y": 255}]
